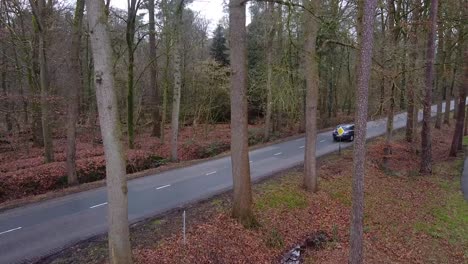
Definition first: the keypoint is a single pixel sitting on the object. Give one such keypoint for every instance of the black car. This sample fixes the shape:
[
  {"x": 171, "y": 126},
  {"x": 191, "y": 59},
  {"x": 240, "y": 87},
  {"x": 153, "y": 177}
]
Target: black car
[{"x": 348, "y": 134}]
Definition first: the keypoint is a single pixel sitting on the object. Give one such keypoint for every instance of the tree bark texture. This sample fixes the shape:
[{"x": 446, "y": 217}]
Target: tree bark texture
[
  {"x": 129, "y": 36},
  {"x": 461, "y": 104},
  {"x": 426, "y": 146},
  {"x": 242, "y": 201},
  {"x": 40, "y": 12},
  {"x": 312, "y": 88},
  {"x": 119, "y": 242},
  {"x": 177, "y": 82},
  {"x": 366, "y": 32},
  {"x": 440, "y": 81},
  {"x": 156, "y": 130},
  {"x": 270, "y": 33},
  {"x": 75, "y": 87},
  {"x": 412, "y": 114}
]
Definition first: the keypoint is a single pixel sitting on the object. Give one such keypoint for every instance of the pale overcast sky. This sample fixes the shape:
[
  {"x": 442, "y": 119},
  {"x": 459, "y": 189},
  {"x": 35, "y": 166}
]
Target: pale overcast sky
[{"x": 210, "y": 9}]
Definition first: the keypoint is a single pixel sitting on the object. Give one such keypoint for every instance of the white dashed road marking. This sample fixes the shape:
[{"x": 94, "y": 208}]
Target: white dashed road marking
[
  {"x": 11, "y": 230},
  {"x": 209, "y": 173},
  {"x": 302, "y": 147},
  {"x": 97, "y": 205},
  {"x": 276, "y": 154},
  {"x": 322, "y": 141},
  {"x": 164, "y": 186}
]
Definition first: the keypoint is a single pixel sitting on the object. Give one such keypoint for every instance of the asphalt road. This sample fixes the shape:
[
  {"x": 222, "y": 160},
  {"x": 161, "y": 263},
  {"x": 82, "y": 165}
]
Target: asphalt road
[{"x": 39, "y": 229}]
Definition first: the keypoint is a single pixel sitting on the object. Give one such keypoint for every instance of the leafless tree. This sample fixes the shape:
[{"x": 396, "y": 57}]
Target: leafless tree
[{"x": 119, "y": 241}]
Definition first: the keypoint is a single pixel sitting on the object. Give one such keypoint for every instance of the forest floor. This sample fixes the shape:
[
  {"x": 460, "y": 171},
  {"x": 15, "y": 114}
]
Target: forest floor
[
  {"x": 409, "y": 218},
  {"x": 25, "y": 177}
]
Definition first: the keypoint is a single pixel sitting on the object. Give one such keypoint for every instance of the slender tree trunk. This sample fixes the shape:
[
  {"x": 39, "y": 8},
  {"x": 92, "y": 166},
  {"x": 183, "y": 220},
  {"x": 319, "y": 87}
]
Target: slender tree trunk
[
  {"x": 129, "y": 36},
  {"x": 119, "y": 242},
  {"x": 440, "y": 81},
  {"x": 366, "y": 10},
  {"x": 270, "y": 33},
  {"x": 412, "y": 114},
  {"x": 75, "y": 87},
  {"x": 448, "y": 99},
  {"x": 156, "y": 130},
  {"x": 312, "y": 82},
  {"x": 465, "y": 130},
  {"x": 177, "y": 84},
  {"x": 3, "y": 77},
  {"x": 458, "y": 132},
  {"x": 426, "y": 146},
  {"x": 242, "y": 201},
  {"x": 383, "y": 58},
  {"x": 457, "y": 140},
  {"x": 392, "y": 63},
  {"x": 167, "y": 46},
  {"x": 454, "y": 90},
  {"x": 40, "y": 13},
  {"x": 46, "y": 133}
]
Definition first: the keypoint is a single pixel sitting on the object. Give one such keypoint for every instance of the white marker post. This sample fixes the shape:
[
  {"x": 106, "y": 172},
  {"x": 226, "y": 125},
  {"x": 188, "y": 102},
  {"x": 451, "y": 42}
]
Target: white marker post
[{"x": 183, "y": 228}]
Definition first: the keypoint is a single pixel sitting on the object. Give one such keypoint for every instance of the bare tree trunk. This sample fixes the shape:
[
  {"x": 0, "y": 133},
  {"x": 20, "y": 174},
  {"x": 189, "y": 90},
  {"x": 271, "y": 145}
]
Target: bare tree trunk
[
  {"x": 129, "y": 36},
  {"x": 440, "y": 81},
  {"x": 312, "y": 82},
  {"x": 119, "y": 242},
  {"x": 156, "y": 130},
  {"x": 412, "y": 114},
  {"x": 177, "y": 82},
  {"x": 167, "y": 46},
  {"x": 392, "y": 64},
  {"x": 448, "y": 99},
  {"x": 465, "y": 130},
  {"x": 458, "y": 132},
  {"x": 242, "y": 201},
  {"x": 3, "y": 77},
  {"x": 40, "y": 13},
  {"x": 75, "y": 87},
  {"x": 426, "y": 146},
  {"x": 366, "y": 10},
  {"x": 270, "y": 33}
]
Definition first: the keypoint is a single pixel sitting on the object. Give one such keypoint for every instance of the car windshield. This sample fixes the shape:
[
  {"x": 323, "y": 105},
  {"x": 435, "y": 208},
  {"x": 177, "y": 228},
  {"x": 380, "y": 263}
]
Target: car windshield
[{"x": 345, "y": 127}]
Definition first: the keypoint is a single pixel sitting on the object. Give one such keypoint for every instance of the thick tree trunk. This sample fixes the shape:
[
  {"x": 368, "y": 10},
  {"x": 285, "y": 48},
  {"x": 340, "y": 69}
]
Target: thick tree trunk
[
  {"x": 366, "y": 10},
  {"x": 156, "y": 130},
  {"x": 177, "y": 85},
  {"x": 312, "y": 82},
  {"x": 75, "y": 87},
  {"x": 426, "y": 146},
  {"x": 119, "y": 242},
  {"x": 242, "y": 200},
  {"x": 270, "y": 33}
]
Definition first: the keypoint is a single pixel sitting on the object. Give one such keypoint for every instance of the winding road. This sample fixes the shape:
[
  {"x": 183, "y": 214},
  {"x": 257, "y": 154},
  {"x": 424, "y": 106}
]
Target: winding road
[{"x": 36, "y": 230}]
